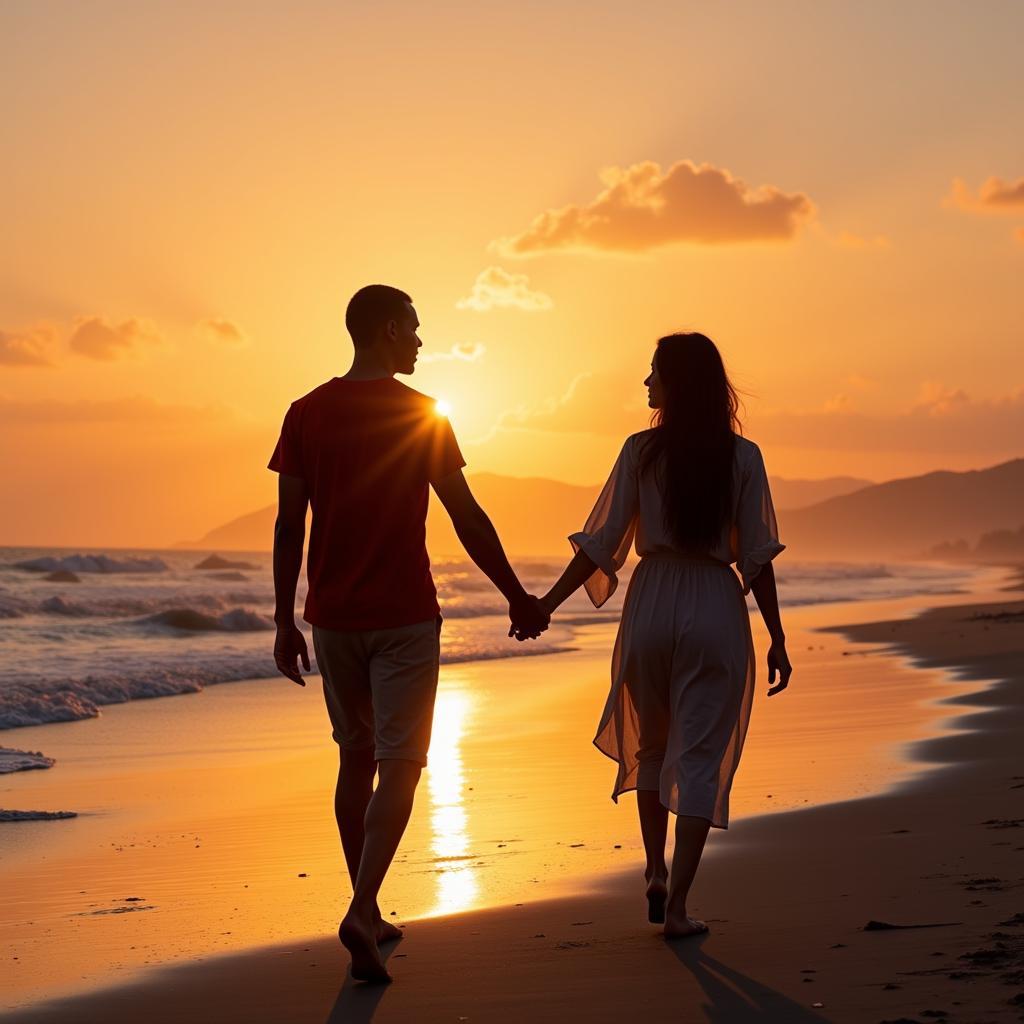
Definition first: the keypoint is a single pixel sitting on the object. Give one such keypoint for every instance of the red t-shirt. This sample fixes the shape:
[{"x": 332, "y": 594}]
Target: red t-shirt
[{"x": 368, "y": 451}]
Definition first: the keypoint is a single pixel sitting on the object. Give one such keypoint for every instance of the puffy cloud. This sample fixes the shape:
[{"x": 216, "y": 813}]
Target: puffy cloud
[
  {"x": 27, "y": 348},
  {"x": 642, "y": 208},
  {"x": 994, "y": 196},
  {"x": 496, "y": 288},
  {"x": 461, "y": 351},
  {"x": 219, "y": 331},
  {"x": 95, "y": 337}
]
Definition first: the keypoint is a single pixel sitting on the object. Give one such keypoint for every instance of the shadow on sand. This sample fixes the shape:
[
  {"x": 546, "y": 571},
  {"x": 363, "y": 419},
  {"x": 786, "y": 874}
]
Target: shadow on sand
[
  {"x": 357, "y": 1002},
  {"x": 735, "y": 998}
]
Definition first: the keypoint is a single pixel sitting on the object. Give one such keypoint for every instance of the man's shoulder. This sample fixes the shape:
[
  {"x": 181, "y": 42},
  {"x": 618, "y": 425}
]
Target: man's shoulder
[
  {"x": 412, "y": 396},
  {"x": 312, "y": 397}
]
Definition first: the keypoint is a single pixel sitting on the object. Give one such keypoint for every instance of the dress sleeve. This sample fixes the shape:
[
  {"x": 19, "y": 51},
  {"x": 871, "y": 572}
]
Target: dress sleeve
[
  {"x": 755, "y": 520},
  {"x": 608, "y": 532}
]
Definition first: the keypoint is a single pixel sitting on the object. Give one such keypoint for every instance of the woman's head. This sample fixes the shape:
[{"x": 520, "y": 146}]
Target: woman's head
[
  {"x": 688, "y": 379},
  {"x": 692, "y": 445}
]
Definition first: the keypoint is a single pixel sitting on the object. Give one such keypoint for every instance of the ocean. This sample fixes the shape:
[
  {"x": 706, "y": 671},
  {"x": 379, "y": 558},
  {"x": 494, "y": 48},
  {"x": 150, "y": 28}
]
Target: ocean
[{"x": 84, "y": 629}]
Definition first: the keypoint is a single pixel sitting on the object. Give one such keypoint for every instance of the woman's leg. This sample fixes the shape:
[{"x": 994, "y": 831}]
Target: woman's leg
[
  {"x": 654, "y": 829},
  {"x": 691, "y": 834}
]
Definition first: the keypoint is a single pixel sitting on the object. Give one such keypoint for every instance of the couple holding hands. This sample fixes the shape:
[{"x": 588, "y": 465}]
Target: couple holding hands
[{"x": 363, "y": 451}]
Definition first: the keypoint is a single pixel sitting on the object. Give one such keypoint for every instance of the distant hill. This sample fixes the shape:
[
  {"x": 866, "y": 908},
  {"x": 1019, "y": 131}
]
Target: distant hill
[
  {"x": 799, "y": 493},
  {"x": 907, "y": 518},
  {"x": 533, "y": 516},
  {"x": 898, "y": 519}
]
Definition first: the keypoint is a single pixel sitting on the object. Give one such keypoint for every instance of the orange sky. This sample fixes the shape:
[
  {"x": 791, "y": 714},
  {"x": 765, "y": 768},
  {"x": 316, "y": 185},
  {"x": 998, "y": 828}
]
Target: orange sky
[{"x": 833, "y": 192}]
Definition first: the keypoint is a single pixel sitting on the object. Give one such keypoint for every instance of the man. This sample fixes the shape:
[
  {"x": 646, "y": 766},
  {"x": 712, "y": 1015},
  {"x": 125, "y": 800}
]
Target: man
[{"x": 362, "y": 450}]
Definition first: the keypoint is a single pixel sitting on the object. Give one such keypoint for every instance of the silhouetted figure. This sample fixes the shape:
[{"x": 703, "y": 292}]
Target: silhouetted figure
[
  {"x": 362, "y": 451},
  {"x": 695, "y": 496}
]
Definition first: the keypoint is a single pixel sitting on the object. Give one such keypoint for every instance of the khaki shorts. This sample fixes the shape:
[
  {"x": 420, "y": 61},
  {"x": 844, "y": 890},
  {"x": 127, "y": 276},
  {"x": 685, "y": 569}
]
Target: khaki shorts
[{"x": 380, "y": 685}]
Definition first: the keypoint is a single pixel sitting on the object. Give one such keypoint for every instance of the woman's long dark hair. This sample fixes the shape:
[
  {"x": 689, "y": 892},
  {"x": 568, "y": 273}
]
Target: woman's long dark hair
[{"x": 691, "y": 447}]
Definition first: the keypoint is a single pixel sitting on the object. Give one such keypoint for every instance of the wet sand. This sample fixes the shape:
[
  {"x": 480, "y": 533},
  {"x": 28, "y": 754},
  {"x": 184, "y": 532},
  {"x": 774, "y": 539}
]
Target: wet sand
[{"x": 787, "y": 894}]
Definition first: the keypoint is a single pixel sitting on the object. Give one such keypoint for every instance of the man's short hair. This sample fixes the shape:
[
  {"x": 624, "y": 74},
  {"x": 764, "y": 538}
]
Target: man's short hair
[{"x": 372, "y": 307}]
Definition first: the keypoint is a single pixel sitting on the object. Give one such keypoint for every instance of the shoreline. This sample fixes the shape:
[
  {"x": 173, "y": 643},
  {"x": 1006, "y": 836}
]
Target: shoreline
[{"x": 925, "y": 853}]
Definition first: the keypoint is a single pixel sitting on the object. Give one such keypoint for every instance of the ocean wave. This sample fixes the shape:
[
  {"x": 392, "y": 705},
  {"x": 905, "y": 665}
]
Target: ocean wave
[
  {"x": 12, "y": 760},
  {"x": 56, "y": 605},
  {"x": 36, "y": 815},
  {"x": 237, "y": 620},
  {"x": 92, "y": 563},
  {"x": 48, "y": 701}
]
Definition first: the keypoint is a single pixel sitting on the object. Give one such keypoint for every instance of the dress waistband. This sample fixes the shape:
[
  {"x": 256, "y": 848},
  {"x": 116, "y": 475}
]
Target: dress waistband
[{"x": 683, "y": 559}]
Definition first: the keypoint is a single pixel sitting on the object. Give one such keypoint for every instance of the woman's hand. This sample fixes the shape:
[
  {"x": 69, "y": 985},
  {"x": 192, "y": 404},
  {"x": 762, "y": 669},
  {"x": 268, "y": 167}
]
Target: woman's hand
[{"x": 778, "y": 662}]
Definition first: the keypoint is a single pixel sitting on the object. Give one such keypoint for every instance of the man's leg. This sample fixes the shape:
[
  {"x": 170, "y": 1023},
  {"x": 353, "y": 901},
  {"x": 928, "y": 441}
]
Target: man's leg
[
  {"x": 351, "y": 799},
  {"x": 356, "y": 769},
  {"x": 386, "y": 818}
]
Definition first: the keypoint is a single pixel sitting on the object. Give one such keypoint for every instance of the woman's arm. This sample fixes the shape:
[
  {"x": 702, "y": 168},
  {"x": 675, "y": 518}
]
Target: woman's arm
[
  {"x": 767, "y": 597},
  {"x": 576, "y": 573}
]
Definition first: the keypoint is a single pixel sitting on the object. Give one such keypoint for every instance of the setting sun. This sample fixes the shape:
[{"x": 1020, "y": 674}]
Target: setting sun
[{"x": 443, "y": 408}]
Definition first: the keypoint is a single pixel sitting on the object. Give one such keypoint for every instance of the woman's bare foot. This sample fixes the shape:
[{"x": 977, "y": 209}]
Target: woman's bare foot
[
  {"x": 361, "y": 943},
  {"x": 681, "y": 928},
  {"x": 657, "y": 894},
  {"x": 387, "y": 932}
]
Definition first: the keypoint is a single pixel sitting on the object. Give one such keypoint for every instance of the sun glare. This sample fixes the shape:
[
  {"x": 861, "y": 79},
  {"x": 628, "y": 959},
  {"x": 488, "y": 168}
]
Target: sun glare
[{"x": 442, "y": 408}]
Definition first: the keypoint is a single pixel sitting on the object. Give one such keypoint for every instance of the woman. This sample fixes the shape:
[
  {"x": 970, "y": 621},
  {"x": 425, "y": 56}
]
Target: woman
[{"x": 695, "y": 495}]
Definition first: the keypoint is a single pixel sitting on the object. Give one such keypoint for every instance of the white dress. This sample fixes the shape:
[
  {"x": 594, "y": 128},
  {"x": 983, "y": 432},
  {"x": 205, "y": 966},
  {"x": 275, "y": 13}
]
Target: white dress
[{"x": 682, "y": 678}]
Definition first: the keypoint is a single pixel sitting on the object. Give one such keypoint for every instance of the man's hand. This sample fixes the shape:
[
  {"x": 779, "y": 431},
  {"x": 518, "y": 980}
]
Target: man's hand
[
  {"x": 529, "y": 618},
  {"x": 778, "y": 661},
  {"x": 289, "y": 646}
]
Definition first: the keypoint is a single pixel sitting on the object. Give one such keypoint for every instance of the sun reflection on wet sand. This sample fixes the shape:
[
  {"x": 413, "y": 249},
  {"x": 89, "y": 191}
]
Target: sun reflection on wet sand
[{"x": 457, "y": 884}]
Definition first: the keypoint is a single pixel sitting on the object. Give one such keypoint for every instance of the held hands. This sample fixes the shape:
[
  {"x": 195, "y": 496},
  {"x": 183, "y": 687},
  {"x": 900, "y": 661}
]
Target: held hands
[
  {"x": 290, "y": 645},
  {"x": 778, "y": 661},
  {"x": 529, "y": 618}
]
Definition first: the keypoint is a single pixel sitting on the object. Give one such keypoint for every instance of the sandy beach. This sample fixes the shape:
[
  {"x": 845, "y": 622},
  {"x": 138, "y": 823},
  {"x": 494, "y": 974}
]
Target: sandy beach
[{"x": 787, "y": 893}]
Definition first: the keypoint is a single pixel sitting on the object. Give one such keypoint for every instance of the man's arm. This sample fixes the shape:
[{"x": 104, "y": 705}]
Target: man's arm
[
  {"x": 289, "y": 537},
  {"x": 480, "y": 539}
]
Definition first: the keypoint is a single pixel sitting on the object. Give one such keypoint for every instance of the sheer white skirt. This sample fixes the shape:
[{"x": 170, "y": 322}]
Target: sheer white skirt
[{"x": 682, "y": 684}]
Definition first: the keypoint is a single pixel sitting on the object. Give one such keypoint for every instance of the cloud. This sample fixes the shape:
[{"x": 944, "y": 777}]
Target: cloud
[
  {"x": 137, "y": 409},
  {"x": 941, "y": 420},
  {"x": 593, "y": 403},
  {"x": 219, "y": 331},
  {"x": 642, "y": 208},
  {"x": 95, "y": 337},
  {"x": 994, "y": 196},
  {"x": 496, "y": 288},
  {"x": 461, "y": 351},
  {"x": 848, "y": 240},
  {"x": 27, "y": 348}
]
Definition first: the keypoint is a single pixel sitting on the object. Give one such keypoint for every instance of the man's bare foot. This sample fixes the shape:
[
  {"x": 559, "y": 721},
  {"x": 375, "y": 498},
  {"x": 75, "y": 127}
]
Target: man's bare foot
[
  {"x": 387, "y": 932},
  {"x": 683, "y": 928},
  {"x": 361, "y": 944}
]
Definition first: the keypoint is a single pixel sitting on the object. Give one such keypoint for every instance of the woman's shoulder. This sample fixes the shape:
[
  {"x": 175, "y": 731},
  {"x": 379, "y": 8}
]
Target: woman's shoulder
[
  {"x": 746, "y": 449},
  {"x": 641, "y": 437}
]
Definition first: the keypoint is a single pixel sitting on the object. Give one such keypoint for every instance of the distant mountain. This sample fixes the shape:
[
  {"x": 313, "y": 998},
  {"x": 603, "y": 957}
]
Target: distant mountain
[
  {"x": 533, "y": 516},
  {"x": 906, "y": 518},
  {"x": 799, "y": 493},
  {"x": 898, "y": 519}
]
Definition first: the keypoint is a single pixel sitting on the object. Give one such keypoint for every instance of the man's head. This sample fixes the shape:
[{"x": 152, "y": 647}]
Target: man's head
[{"x": 379, "y": 316}]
